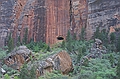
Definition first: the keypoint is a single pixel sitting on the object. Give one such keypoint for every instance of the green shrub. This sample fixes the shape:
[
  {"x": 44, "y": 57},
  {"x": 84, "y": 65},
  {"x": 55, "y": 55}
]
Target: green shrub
[
  {"x": 37, "y": 46},
  {"x": 63, "y": 45},
  {"x": 24, "y": 73},
  {"x": 27, "y": 73},
  {"x": 97, "y": 69},
  {"x": 2, "y": 53},
  {"x": 80, "y": 53},
  {"x": 6, "y": 76},
  {"x": 111, "y": 58},
  {"x": 118, "y": 68},
  {"x": 16, "y": 77},
  {"x": 10, "y": 71},
  {"x": 54, "y": 75},
  {"x": 102, "y": 35}
]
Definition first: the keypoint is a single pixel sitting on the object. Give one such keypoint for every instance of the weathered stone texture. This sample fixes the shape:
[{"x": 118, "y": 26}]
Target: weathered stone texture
[
  {"x": 101, "y": 14},
  {"x": 48, "y": 19},
  {"x": 6, "y": 8},
  {"x": 44, "y": 19},
  {"x": 79, "y": 15},
  {"x": 58, "y": 20},
  {"x": 18, "y": 57},
  {"x": 60, "y": 61}
]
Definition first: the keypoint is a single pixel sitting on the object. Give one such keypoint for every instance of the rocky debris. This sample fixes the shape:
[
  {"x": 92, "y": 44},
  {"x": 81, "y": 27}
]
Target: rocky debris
[
  {"x": 18, "y": 57},
  {"x": 60, "y": 61},
  {"x": 96, "y": 51}
]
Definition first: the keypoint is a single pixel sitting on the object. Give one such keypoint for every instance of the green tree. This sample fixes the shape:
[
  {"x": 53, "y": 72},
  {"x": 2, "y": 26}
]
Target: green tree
[
  {"x": 112, "y": 37},
  {"x": 96, "y": 33},
  {"x": 33, "y": 73},
  {"x": 69, "y": 41},
  {"x": 118, "y": 44},
  {"x": 118, "y": 69},
  {"x": 80, "y": 53},
  {"x": 102, "y": 35},
  {"x": 82, "y": 34},
  {"x": 74, "y": 36},
  {"x": 69, "y": 36},
  {"x": 10, "y": 43},
  {"x": 18, "y": 42},
  {"x": 111, "y": 58},
  {"x": 25, "y": 36},
  {"x": 24, "y": 73}
]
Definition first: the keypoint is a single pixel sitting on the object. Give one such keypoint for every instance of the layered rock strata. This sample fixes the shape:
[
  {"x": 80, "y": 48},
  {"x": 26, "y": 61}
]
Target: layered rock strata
[{"x": 48, "y": 19}]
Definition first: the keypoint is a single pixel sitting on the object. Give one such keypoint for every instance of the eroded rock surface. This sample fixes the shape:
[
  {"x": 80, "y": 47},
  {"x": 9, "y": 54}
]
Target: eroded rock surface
[
  {"x": 48, "y": 19},
  {"x": 96, "y": 51},
  {"x": 60, "y": 61},
  {"x": 102, "y": 13},
  {"x": 18, "y": 57}
]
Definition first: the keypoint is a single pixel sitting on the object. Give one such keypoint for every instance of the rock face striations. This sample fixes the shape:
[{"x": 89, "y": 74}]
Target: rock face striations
[
  {"x": 48, "y": 19},
  {"x": 40, "y": 19},
  {"x": 102, "y": 13}
]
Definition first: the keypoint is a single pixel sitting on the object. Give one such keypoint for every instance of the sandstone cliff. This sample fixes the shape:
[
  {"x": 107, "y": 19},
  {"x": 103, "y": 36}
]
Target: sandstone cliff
[
  {"x": 48, "y": 19},
  {"x": 101, "y": 13}
]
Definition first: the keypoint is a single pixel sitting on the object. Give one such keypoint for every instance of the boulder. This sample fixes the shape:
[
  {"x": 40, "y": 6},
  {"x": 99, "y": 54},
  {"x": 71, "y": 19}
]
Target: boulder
[
  {"x": 60, "y": 61},
  {"x": 18, "y": 57}
]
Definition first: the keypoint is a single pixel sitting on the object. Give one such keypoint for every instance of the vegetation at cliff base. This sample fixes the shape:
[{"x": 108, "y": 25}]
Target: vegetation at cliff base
[{"x": 89, "y": 61}]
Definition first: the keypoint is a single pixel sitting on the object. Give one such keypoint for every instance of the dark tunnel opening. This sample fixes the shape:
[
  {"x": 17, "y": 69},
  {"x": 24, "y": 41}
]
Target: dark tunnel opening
[{"x": 60, "y": 38}]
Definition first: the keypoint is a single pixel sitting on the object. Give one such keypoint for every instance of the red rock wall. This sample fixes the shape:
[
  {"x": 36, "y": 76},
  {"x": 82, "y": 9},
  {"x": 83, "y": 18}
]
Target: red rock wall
[
  {"x": 24, "y": 18},
  {"x": 48, "y": 19},
  {"x": 79, "y": 15},
  {"x": 45, "y": 20},
  {"x": 58, "y": 21}
]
